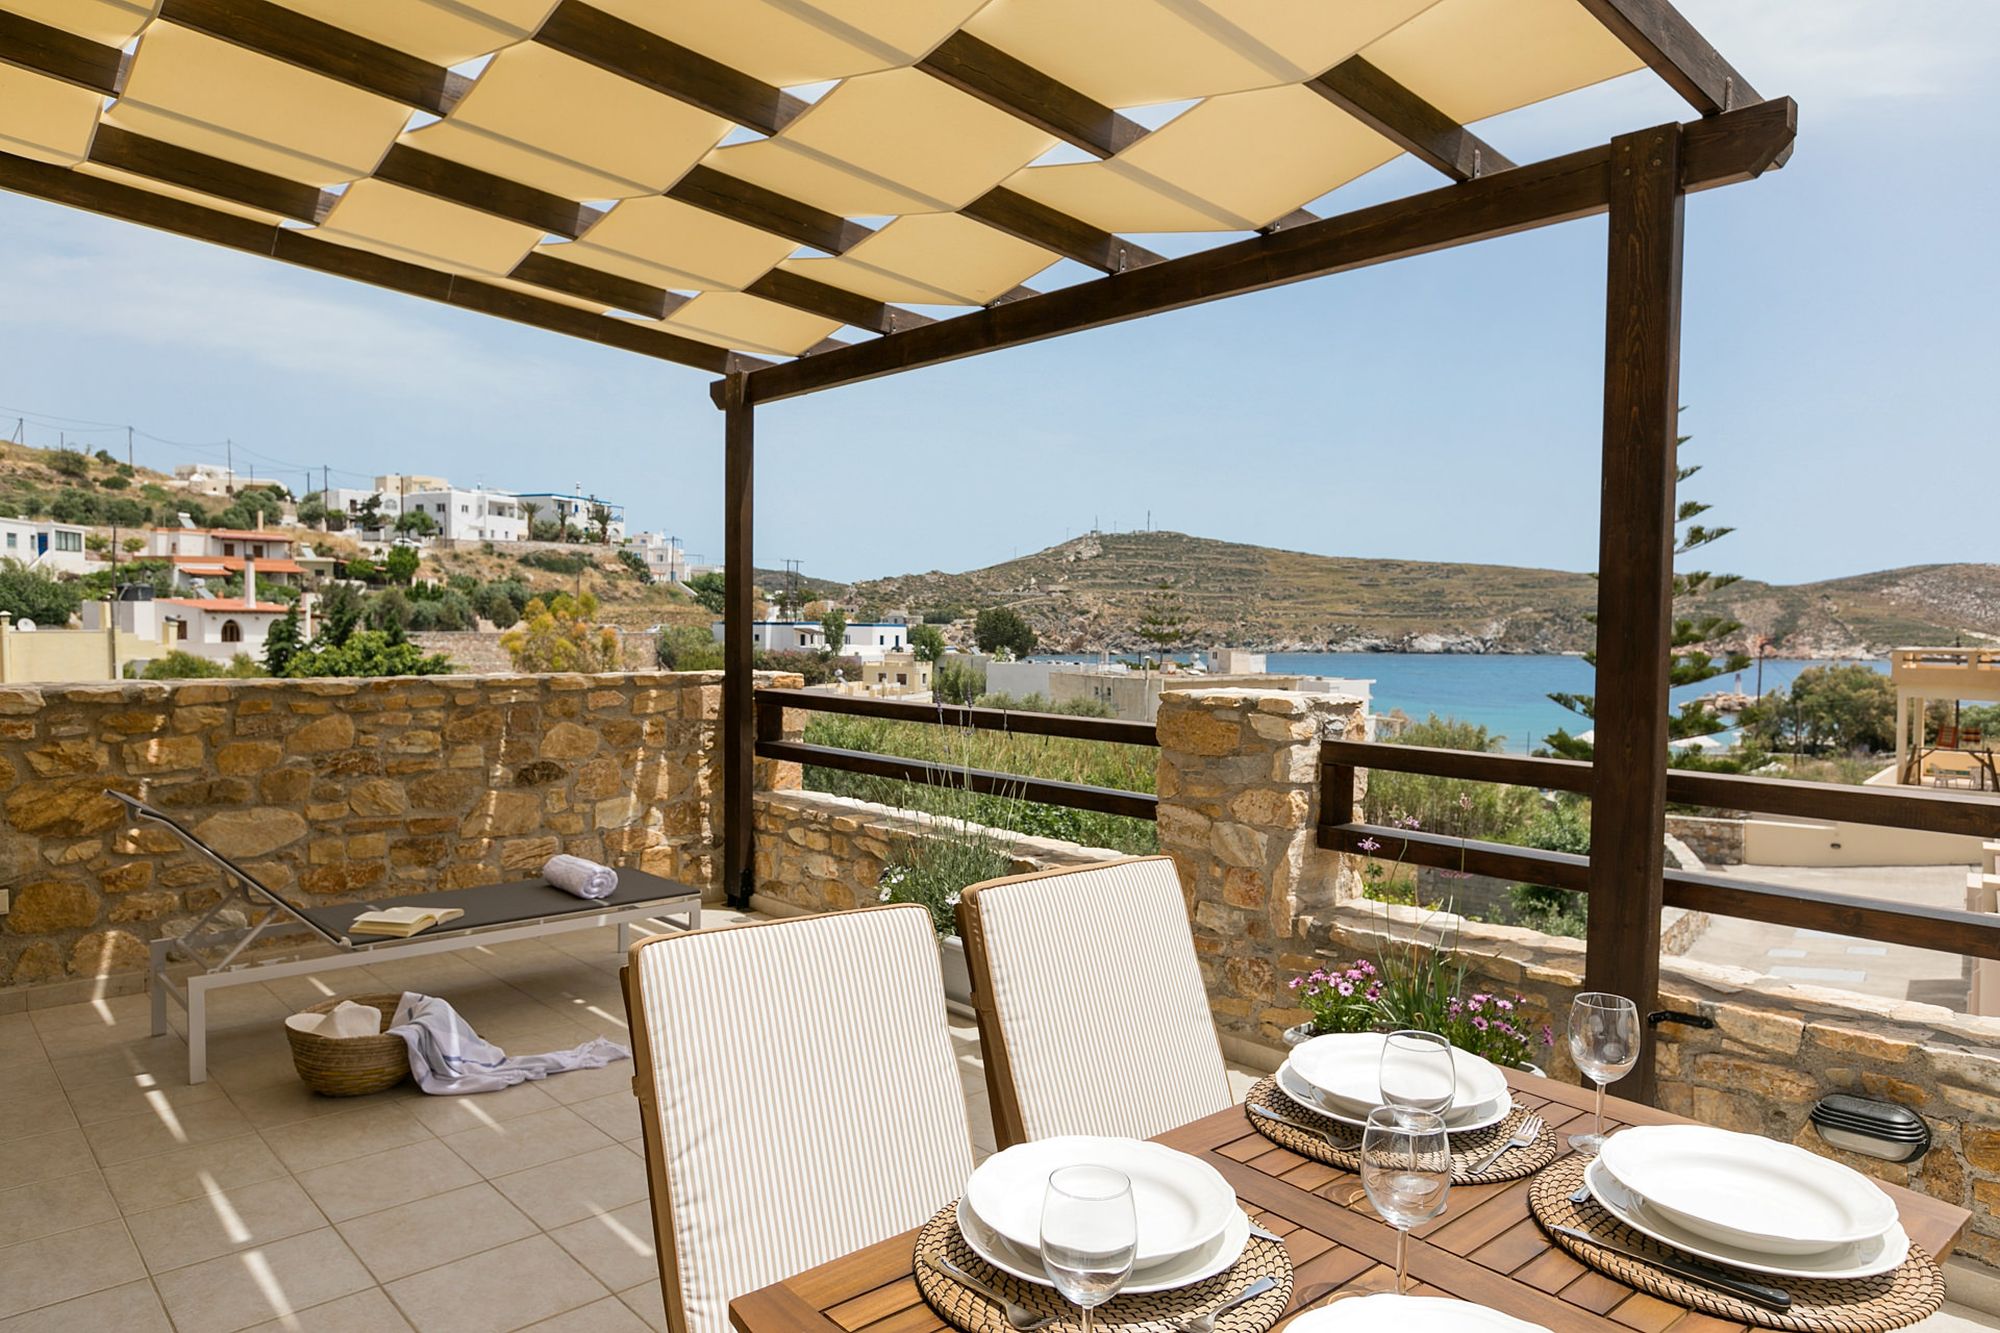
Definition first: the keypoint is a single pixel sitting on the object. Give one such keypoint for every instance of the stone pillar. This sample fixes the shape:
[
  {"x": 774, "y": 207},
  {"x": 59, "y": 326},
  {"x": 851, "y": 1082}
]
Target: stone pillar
[{"x": 1239, "y": 812}]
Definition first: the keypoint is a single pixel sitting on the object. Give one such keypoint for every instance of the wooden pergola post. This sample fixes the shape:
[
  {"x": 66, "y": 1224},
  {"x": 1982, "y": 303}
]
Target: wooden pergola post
[
  {"x": 1635, "y": 572},
  {"x": 739, "y": 721}
]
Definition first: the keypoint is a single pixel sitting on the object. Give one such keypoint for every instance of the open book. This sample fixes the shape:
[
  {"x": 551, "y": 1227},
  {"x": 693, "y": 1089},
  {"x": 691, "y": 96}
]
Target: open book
[{"x": 402, "y": 922}]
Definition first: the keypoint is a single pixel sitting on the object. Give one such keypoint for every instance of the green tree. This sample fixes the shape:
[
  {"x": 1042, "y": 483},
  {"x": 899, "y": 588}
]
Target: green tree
[
  {"x": 74, "y": 506},
  {"x": 389, "y": 611},
  {"x": 312, "y": 511},
  {"x": 125, "y": 513},
  {"x": 133, "y": 545},
  {"x": 282, "y": 641},
  {"x": 418, "y": 522},
  {"x": 1001, "y": 631},
  {"x": 70, "y": 462},
  {"x": 600, "y": 519},
  {"x": 530, "y": 509},
  {"x": 33, "y": 594},
  {"x": 369, "y": 515},
  {"x": 340, "y": 612},
  {"x": 401, "y": 564},
  {"x": 561, "y": 635},
  {"x": 178, "y": 665},
  {"x": 1838, "y": 709},
  {"x": 834, "y": 622},
  {"x": 495, "y": 602},
  {"x": 927, "y": 642},
  {"x": 1163, "y": 619},
  {"x": 687, "y": 648},
  {"x": 708, "y": 590},
  {"x": 1689, "y": 661},
  {"x": 958, "y": 682},
  {"x": 366, "y": 652}
]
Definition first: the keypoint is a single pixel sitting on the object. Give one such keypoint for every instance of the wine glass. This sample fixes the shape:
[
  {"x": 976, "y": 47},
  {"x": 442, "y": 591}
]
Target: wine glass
[
  {"x": 1090, "y": 1235},
  {"x": 1416, "y": 1071},
  {"x": 1406, "y": 1169},
  {"x": 1604, "y": 1043}
]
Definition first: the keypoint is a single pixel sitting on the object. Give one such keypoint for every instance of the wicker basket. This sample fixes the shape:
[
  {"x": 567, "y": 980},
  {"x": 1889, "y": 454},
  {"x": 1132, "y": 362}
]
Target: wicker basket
[{"x": 350, "y": 1066}]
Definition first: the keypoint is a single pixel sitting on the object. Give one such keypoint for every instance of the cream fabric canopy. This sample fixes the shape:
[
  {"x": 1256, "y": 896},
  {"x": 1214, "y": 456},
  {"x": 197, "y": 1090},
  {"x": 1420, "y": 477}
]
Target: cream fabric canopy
[{"x": 600, "y": 155}]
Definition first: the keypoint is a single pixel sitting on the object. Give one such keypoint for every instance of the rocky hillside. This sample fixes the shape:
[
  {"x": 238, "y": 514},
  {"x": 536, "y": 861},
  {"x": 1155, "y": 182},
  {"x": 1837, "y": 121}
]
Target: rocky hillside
[{"x": 1088, "y": 594}]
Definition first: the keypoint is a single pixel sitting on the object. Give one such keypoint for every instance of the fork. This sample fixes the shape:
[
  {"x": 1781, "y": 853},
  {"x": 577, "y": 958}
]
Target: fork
[
  {"x": 1334, "y": 1140},
  {"x": 1018, "y": 1316},
  {"x": 1525, "y": 1133},
  {"x": 1205, "y": 1321}
]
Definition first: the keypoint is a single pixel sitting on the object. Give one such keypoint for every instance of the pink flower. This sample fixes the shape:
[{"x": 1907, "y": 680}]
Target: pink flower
[
  {"x": 1479, "y": 1023},
  {"x": 1294, "y": 982},
  {"x": 1369, "y": 845},
  {"x": 1345, "y": 988},
  {"x": 1548, "y": 1036},
  {"x": 1374, "y": 992}
]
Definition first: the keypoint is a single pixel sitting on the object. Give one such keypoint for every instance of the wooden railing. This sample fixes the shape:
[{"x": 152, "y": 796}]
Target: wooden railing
[
  {"x": 771, "y": 744},
  {"x": 1945, "y": 929}
]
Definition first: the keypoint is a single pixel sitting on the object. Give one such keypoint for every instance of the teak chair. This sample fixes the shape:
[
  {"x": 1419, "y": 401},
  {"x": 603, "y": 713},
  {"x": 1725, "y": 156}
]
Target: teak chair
[
  {"x": 799, "y": 1096},
  {"x": 1092, "y": 1012}
]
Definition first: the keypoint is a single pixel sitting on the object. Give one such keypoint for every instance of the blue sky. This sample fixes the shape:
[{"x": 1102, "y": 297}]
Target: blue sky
[{"x": 1841, "y": 319}]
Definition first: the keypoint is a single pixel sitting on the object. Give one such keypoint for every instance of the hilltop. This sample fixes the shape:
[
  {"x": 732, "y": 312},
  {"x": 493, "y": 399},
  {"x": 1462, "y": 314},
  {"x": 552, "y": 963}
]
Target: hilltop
[{"x": 1087, "y": 595}]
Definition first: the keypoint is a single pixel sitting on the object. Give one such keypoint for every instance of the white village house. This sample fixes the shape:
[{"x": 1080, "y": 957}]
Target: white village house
[{"x": 213, "y": 627}]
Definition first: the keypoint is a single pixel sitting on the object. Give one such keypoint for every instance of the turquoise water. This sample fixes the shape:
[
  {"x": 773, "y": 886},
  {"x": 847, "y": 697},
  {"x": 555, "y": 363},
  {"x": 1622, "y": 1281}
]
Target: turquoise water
[{"x": 1504, "y": 693}]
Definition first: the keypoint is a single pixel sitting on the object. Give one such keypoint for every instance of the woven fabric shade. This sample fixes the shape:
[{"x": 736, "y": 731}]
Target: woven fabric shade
[{"x": 755, "y": 176}]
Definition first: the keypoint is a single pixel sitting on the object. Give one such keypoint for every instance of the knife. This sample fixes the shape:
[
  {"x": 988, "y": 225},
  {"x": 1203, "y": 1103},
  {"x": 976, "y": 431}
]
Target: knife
[{"x": 1771, "y": 1298}]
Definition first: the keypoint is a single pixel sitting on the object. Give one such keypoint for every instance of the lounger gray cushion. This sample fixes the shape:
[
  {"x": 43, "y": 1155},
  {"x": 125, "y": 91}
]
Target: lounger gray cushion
[{"x": 498, "y": 905}]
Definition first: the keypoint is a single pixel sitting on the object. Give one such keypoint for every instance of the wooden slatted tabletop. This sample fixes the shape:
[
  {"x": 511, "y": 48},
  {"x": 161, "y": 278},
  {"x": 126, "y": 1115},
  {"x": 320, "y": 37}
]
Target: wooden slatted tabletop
[{"x": 1486, "y": 1248}]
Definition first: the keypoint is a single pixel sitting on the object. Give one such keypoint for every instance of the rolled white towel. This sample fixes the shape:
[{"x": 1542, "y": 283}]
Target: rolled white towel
[{"x": 585, "y": 879}]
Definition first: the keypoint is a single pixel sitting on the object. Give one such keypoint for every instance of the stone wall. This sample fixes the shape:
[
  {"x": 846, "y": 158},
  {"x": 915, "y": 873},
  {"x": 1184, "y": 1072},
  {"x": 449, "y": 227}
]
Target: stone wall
[
  {"x": 1718, "y": 842},
  {"x": 334, "y": 789}
]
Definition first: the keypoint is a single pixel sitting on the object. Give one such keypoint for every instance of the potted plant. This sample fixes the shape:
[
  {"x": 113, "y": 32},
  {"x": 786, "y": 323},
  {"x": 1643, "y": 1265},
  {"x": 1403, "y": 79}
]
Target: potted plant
[{"x": 933, "y": 870}]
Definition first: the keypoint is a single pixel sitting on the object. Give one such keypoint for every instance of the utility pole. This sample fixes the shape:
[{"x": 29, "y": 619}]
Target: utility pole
[
  {"x": 229, "y": 462},
  {"x": 128, "y": 447}
]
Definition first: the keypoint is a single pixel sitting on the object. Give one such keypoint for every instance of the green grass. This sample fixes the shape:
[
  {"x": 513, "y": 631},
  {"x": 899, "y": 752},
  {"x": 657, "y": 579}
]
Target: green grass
[{"x": 1093, "y": 763}]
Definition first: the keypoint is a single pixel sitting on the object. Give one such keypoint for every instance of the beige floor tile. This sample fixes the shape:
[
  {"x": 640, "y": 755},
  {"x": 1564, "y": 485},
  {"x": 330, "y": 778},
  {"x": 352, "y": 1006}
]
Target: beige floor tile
[
  {"x": 62, "y": 1203},
  {"x": 645, "y": 1302},
  {"x": 584, "y": 1084},
  {"x": 33, "y": 1157},
  {"x": 262, "y": 1284},
  {"x": 616, "y": 1246},
  {"x": 189, "y": 1173},
  {"x": 508, "y": 1288},
  {"x": 339, "y": 1138},
  {"x": 165, "y": 1058},
  {"x": 386, "y": 1179},
  {"x": 409, "y": 1239},
  {"x": 369, "y": 1311},
  {"x": 449, "y": 1115},
  {"x": 33, "y": 1109},
  {"x": 221, "y": 1221},
  {"x": 609, "y": 1315},
  {"x": 112, "y": 1099},
  {"x": 118, "y": 1011},
  {"x": 132, "y": 1308},
  {"x": 516, "y": 1145},
  {"x": 270, "y": 1105},
  {"x": 163, "y": 1127},
  {"x": 67, "y": 1265},
  {"x": 616, "y": 1113},
  {"x": 573, "y": 1188},
  {"x": 296, "y": 993}
]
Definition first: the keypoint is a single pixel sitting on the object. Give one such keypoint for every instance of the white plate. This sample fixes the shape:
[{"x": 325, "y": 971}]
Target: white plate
[
  {"x": 1386, "y": 1312},
  {"x": 1181, "y": 1271},
  {"x": 1456, "y": 1121},
  {"x": 1182, "y": 1202},
  {"x": 1862, "y": 1259},
  {"x": 1748, "y": 1192},
  {"x": 1346, "y": 1067}
]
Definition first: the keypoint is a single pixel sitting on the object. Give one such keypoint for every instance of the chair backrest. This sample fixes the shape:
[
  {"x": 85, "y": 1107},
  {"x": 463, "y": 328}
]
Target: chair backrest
[
  {"x": 1091, "y": 1007},
  {"x": 800, "y": 1097}
]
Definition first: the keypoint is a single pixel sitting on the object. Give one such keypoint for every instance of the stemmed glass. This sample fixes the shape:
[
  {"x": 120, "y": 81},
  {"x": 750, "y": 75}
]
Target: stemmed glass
[
  {"x": 1090, "y": 1235},
  {"x": 1604, "y": 1042},
  {"x": 1406, "y": 1169},
  {"x": 1416, "y": 1071}
]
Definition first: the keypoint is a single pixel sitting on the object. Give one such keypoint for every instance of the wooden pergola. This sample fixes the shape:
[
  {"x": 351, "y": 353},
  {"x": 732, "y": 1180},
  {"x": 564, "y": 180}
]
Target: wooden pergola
[{"x": 708, "y": 185}]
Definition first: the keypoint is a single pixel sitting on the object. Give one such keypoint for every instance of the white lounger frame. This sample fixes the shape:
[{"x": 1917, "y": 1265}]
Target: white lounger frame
[{"x": 681, "y": 911}]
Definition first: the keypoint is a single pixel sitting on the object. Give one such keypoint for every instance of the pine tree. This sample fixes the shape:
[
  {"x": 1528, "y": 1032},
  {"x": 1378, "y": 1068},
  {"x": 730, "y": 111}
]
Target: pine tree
[
  {"x": 282, "y": 641},
  {"x": 1689, "y": 660},
  {"x": 1163, "y": 619}
]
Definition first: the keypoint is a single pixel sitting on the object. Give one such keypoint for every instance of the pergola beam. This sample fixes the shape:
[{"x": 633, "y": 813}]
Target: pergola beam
[
  {"x": 1661, "y": 36},
  {"x": 1407, "y": 120},
  {"x": 157, "y": 160},
  {"x": 95, "y": 194},
  {"x": 61, "y": 55},
  {"x": 767, "y": 210},
  {"x": 1036, "y": 223},
  {"x": 441, "y": 178},
  {"x": 286, "y": 34},
  {"x": 1732, "y": 147},
  {"x": 980, "y": 69},
  {"x": 824, "y": 299}
]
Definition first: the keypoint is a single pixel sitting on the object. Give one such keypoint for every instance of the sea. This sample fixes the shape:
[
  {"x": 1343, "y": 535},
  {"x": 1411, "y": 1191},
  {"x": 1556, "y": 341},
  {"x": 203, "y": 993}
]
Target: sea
[{"x": 1507, "y": 693}]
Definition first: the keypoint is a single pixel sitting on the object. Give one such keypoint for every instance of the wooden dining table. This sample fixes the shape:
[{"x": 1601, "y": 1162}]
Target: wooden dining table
[{"x": 1486, "y": 1248}]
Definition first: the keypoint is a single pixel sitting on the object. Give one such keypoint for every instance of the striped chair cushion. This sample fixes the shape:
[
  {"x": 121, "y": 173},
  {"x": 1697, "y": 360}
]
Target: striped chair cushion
[
  {"x": 806, "y": 1099},
  {"x": 1099, "y": 1000}
]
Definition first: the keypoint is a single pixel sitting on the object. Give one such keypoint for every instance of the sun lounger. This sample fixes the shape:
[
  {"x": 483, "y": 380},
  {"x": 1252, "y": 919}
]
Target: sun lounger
[{"x": 495, "y": 913}]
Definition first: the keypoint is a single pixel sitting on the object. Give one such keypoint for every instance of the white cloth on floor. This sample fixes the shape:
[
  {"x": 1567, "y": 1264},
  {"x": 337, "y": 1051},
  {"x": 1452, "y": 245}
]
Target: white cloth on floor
[
  {"x": 448, "y": 1058},
  {"x": 585, "y": 879},
  {"x": 346, "y": 1019}
]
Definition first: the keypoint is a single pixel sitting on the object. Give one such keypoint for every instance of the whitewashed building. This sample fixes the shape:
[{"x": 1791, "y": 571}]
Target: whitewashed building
[
  {"x": 217, "y": 628},
  {"x": 44, "y": 544},
  {"x": 469, "y": 515},
  {"x": 871, "y": 641},
  {"x": 665, "y": 560},
  {"x": 574, "y": 508},
  {"x": 219, "y": 553}
]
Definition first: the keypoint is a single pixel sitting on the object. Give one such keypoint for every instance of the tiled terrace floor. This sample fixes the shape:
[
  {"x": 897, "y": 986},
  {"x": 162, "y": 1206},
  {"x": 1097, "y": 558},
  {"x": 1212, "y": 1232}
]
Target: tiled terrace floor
[{"x": 131, "y": 1201}]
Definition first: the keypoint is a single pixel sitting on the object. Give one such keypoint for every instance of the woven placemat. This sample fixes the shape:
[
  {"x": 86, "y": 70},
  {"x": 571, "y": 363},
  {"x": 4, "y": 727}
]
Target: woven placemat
[
  {"x": 1154, "y": 1312},
  {"x": 1467, "y": 1150},
  {"x": 1897, "y": 1299}
]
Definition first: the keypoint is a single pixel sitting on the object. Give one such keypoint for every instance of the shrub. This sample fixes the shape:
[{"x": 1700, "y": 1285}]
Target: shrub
[
  {"x": 935, "y": 869},
  {"x": 366, "y": 653},
  {"x": 178, "y": 665},
  {"x": 687, "y": 648},
  {"x": 558, "y": 635},
  {"x": 33, "y": 594},
  {"x": 817, "y": 668},
  {"x": 958, "y": 682},
  {"x": 556, "y": 562},
  {"x": 635, "y": 562},
  {"x": 69, "y": 462}
]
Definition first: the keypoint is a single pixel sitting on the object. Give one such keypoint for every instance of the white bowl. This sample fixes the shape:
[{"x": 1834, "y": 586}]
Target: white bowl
[
  {"x": 1182, "y": 1202},
  {"x": 1346, "y": 1068}
]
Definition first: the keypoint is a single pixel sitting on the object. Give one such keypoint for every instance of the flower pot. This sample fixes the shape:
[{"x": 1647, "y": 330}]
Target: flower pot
[
  {"x": 1298, "y": 1033},
  {"x": 957, "y": 976}
]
